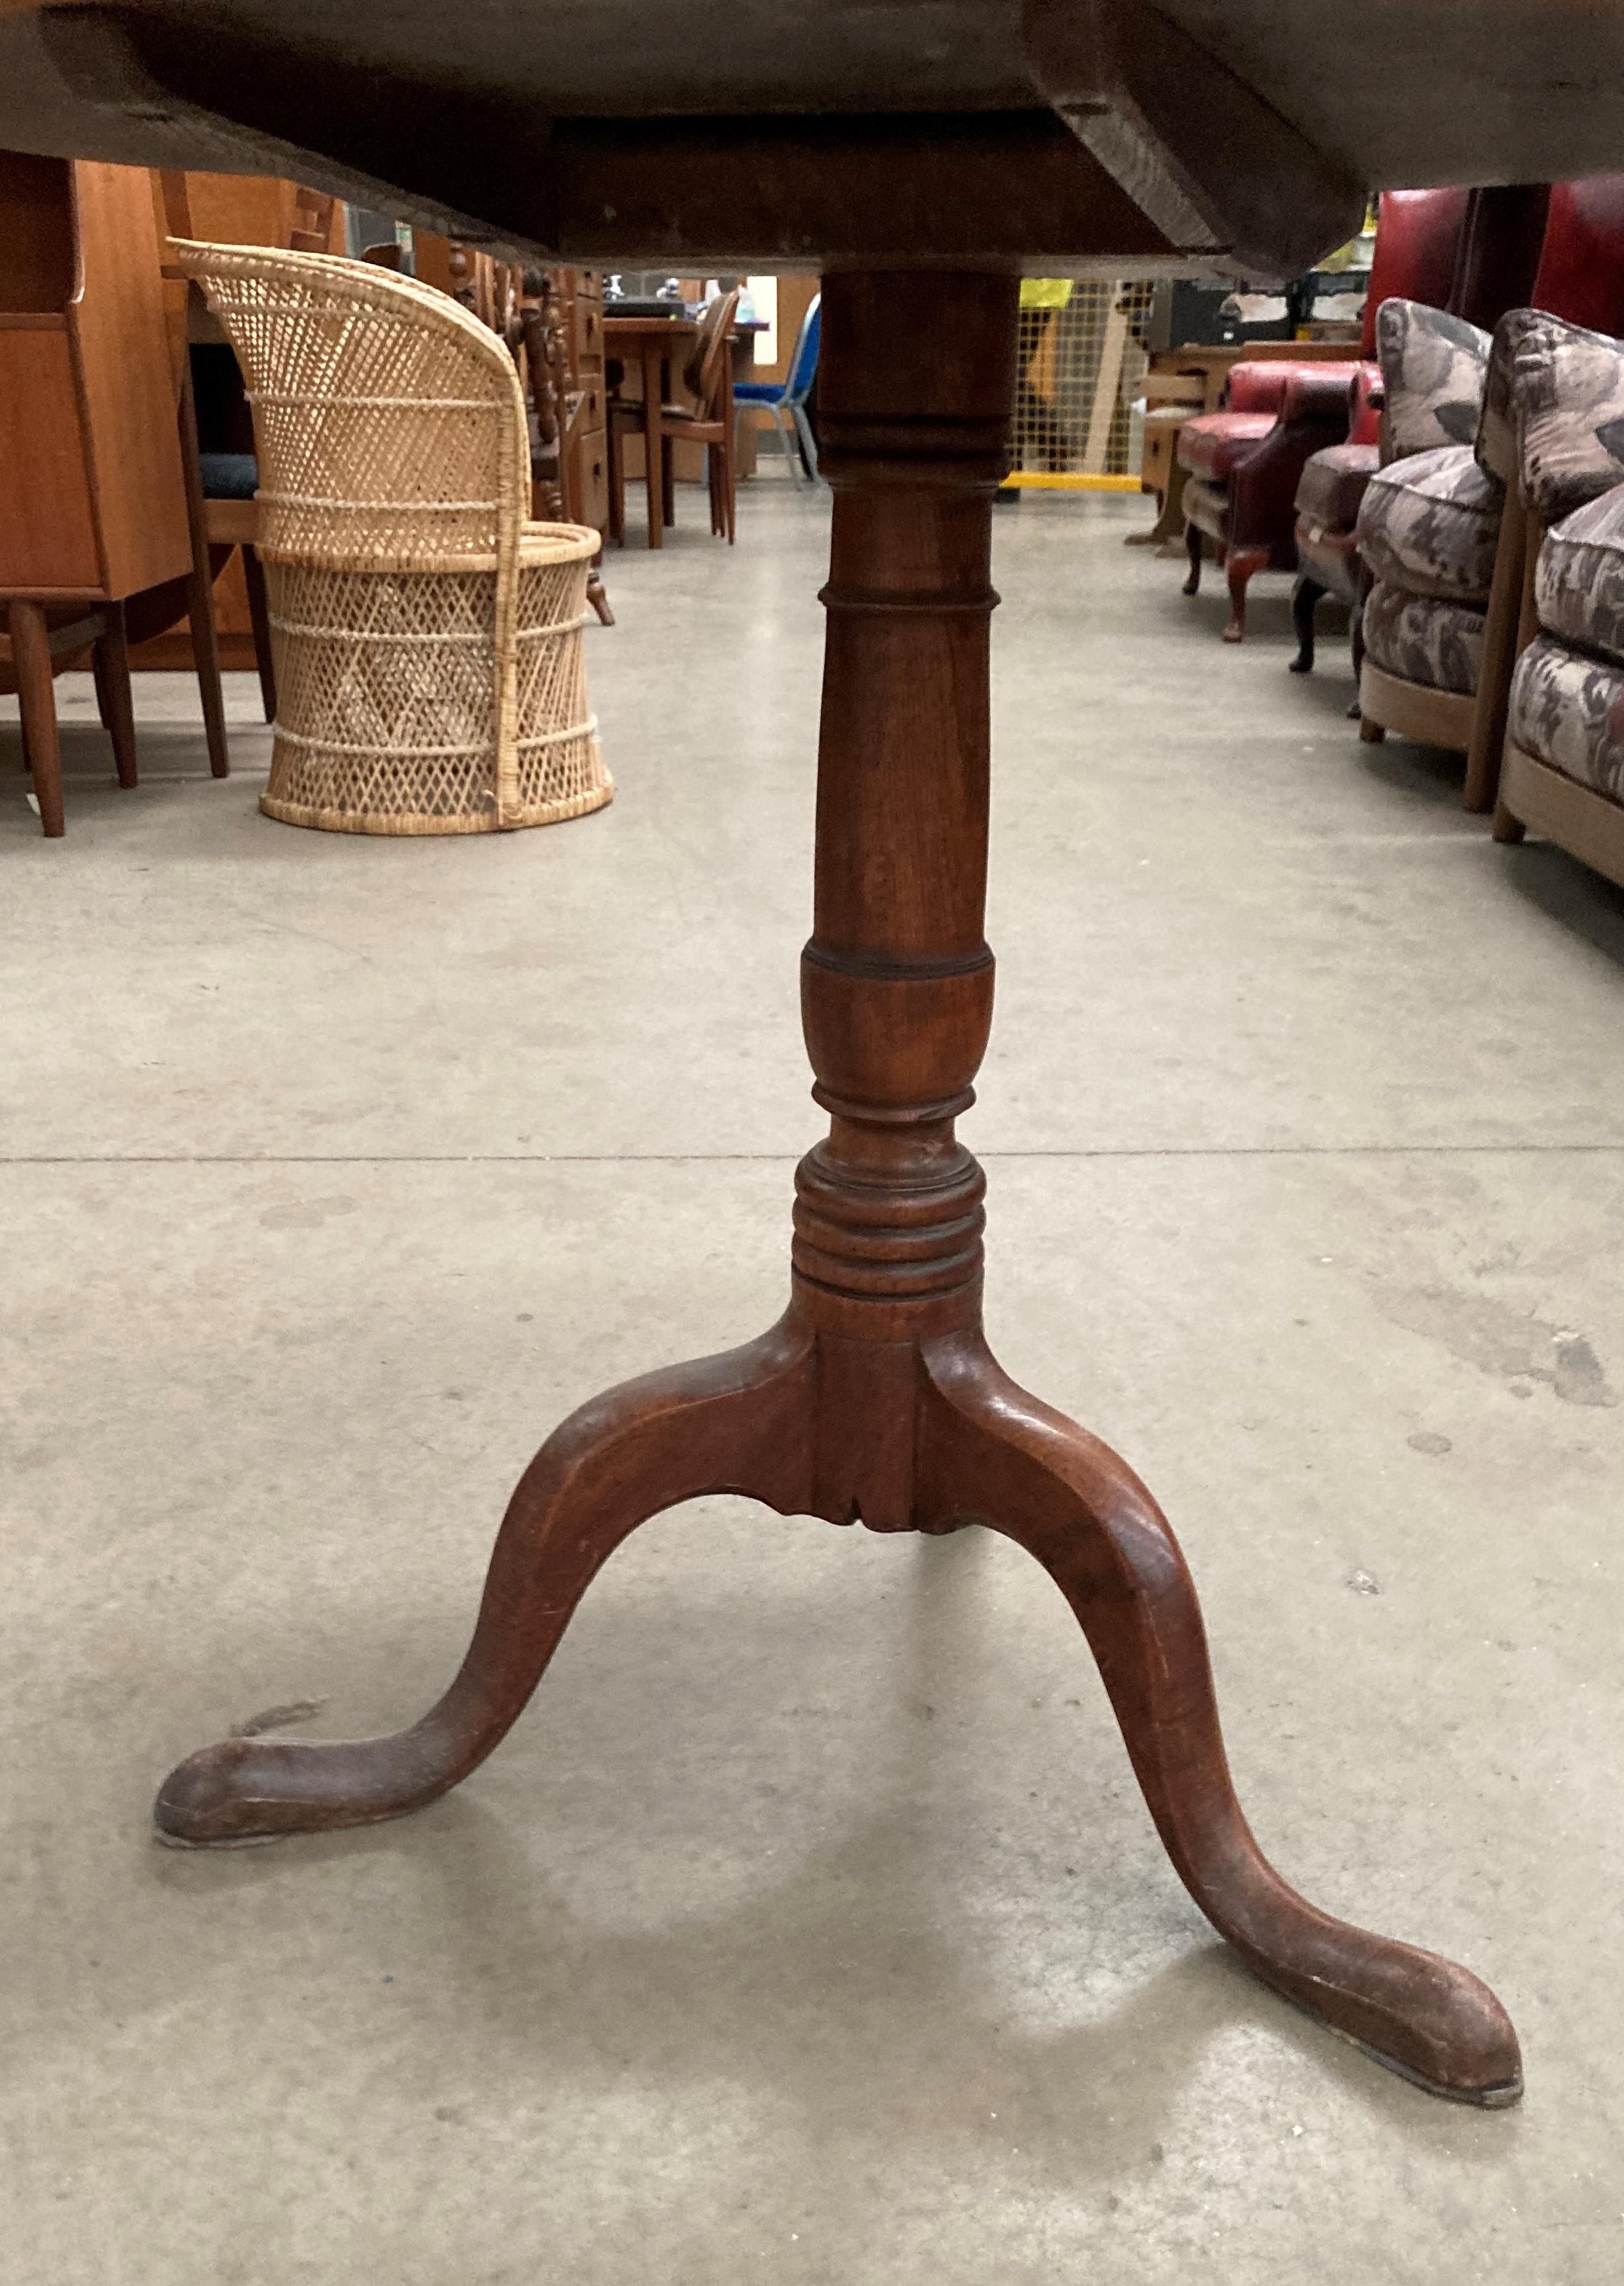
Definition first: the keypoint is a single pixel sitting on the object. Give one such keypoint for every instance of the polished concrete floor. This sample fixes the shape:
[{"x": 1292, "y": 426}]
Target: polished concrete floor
[{"x": 809, "y": 1928}]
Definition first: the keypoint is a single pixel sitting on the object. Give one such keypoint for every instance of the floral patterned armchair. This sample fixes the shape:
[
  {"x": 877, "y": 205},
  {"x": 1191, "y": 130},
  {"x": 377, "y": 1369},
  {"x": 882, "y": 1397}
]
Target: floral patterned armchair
[
  {"x": 1440, "y": 619},
  {"x": 1554, "y": 424}
]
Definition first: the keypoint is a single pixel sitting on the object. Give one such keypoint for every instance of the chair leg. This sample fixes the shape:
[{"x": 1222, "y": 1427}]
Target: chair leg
[
  {"x": 730, "y": 475},
  {"x": 1238, "y": 565},
  {"x": 200, "y": 587},
  {"x": 111, "y": 658},
  {"x": 37, "y": 701},
  {"x": 780, "y": 422},
  {"x": 259, "y": 615},
  {"x": 1305, "y": 595},
  {"x": 808, "y": 442},
  {"x": 1193, "y": 543},
  {"x": 615, "y": 449},
  {"x": 667, "y": 479}
]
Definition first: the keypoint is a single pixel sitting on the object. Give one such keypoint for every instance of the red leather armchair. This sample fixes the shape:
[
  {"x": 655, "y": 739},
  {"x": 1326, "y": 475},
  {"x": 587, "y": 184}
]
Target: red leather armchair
[{"x": 1243, "y": 465}]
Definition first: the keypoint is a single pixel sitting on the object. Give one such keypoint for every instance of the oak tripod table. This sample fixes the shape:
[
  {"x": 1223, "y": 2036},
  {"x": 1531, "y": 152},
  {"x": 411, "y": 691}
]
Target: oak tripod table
[{"x": 927, "y": 172}]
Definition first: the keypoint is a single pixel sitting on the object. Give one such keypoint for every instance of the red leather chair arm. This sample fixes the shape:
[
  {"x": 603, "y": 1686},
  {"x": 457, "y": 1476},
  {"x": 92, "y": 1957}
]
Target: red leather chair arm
[
  {"x": 1319, "y": 393},
  {"x": 1258, "y": 386}
]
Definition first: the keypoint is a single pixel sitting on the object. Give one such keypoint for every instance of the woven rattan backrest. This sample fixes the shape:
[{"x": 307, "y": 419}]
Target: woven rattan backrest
[{"x": 389, "y": 423}]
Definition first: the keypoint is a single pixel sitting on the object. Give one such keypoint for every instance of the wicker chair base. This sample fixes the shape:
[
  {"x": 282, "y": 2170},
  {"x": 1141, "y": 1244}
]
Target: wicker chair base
[
  {"x": 597, "y": 796},
  {"x": 388, "y": 716}
]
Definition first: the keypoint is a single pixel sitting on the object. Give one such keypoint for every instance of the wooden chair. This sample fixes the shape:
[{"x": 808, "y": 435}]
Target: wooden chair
[
  {"x": 428, "y": 633},
  {"x": 707, "y": 376},
  {"x": 95, "y": 477},
  {"x": 559, "y": 317}
]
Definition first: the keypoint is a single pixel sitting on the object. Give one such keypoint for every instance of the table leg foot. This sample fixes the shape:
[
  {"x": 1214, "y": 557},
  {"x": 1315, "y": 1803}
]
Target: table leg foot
[
  {"x": 741, "y": 1422},
  {"x": 1000, "y": 1456}
]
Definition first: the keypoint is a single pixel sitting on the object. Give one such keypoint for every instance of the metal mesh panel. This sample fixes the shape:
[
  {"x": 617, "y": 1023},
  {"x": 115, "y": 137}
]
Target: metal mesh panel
[{"x": 1080, "y": 364}]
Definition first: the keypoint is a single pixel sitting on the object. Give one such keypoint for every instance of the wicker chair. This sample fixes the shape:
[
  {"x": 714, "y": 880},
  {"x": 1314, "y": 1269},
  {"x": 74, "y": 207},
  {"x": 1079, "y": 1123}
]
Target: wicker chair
[{"x": 427, "y": 637}]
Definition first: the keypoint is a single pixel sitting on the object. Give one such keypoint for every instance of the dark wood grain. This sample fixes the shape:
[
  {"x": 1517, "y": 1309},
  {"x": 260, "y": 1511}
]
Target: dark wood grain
[
  {"x": 1215, "y": 167},
  {"x": 908, "y": 133}
]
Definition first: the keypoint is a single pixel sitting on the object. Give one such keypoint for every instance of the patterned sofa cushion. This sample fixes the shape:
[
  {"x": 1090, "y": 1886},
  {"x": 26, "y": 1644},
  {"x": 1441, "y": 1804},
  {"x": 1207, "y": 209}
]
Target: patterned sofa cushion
[
  {"x": 1568, "y": 711},
  {"x": 1432, "y": 370},
  {"x": 1333, "y": 483},
  {"x": 1432, "y": 523},
  {"x": 1554, "y": 404},
  {"x": 1579, "y": 586},
  {"x": 1211, "y": 444},
  {"x": 1421, "y": 639}
]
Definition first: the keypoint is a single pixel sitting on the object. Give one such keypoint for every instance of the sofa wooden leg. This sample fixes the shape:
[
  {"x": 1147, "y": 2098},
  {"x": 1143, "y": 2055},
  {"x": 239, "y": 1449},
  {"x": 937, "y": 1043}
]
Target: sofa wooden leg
[
  {"x": 1507, "y": 828},
  {"x": 1192, "y": 547},
  {"x": 1238, "y": 565},
  {"x": 1305, "y": 595},
  {"x": 1370, "y": 732}
]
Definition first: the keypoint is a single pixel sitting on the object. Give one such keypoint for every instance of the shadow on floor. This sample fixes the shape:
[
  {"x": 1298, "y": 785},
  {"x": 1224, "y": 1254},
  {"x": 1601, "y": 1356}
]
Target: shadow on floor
[
  {"x": 844, "y": 1994},
  {"x": 168, "y": 754},
  {"x": 1435, "y": 773},
  {"x": 1563, "y": 887}
]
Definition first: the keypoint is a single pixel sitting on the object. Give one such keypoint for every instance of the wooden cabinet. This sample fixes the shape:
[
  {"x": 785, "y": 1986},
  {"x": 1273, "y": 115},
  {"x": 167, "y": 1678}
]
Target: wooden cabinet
[
  {"x": 583, "y": 460},
  {"x": 233, "y": 210},
  {"x": 98, "y": 508},
  {"x": 90, "y": 475}
]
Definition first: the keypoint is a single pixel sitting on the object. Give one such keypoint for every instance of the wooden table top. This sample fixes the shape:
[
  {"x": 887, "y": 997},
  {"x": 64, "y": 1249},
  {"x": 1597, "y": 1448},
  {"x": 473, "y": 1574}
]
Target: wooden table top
[
  {"x": 635, "y": 329},
  {"x": 1054, "y": 135}
]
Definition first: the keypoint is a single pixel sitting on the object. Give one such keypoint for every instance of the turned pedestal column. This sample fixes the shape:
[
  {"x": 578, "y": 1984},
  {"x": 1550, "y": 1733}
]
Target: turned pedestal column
[{"x": 874, "y": 1399}]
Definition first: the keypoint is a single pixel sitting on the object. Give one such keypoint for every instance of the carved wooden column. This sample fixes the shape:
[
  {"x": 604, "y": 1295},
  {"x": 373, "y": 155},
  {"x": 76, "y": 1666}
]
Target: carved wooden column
[{"x": 896, "y": 982}]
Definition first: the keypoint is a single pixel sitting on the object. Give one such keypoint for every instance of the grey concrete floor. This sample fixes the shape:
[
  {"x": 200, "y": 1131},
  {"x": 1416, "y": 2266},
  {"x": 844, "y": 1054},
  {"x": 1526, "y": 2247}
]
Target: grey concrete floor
[{"x": 810, "y": 1926}]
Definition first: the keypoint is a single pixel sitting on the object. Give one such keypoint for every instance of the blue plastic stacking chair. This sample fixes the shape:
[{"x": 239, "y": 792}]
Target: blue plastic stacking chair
[{"x": 786, "y": 400}]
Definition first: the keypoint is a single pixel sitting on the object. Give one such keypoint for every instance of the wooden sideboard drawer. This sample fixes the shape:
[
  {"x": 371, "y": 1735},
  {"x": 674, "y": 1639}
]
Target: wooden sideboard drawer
[{"x": 592, "y": 503}]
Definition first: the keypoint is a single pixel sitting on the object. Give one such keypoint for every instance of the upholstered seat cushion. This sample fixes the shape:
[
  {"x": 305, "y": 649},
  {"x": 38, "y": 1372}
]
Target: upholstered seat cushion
[
  {"x": 1568, "y": 710},
  {"x": 1580, "y": 584},
  {"x": 229, "y": 476},
  {"x": 1423, "y": 639},
  {"x": 1329, "y": 557},
  {"x": 1206, "y": 506},
  {"x": 1333, "y": 483},
  {"x": 1430, "y": 525},
  {"x": 1211, "y": 444}
]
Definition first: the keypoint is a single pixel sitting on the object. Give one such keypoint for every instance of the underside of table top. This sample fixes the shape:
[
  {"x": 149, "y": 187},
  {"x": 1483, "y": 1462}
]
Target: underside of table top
[{"x": 1052, "y": 135}]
